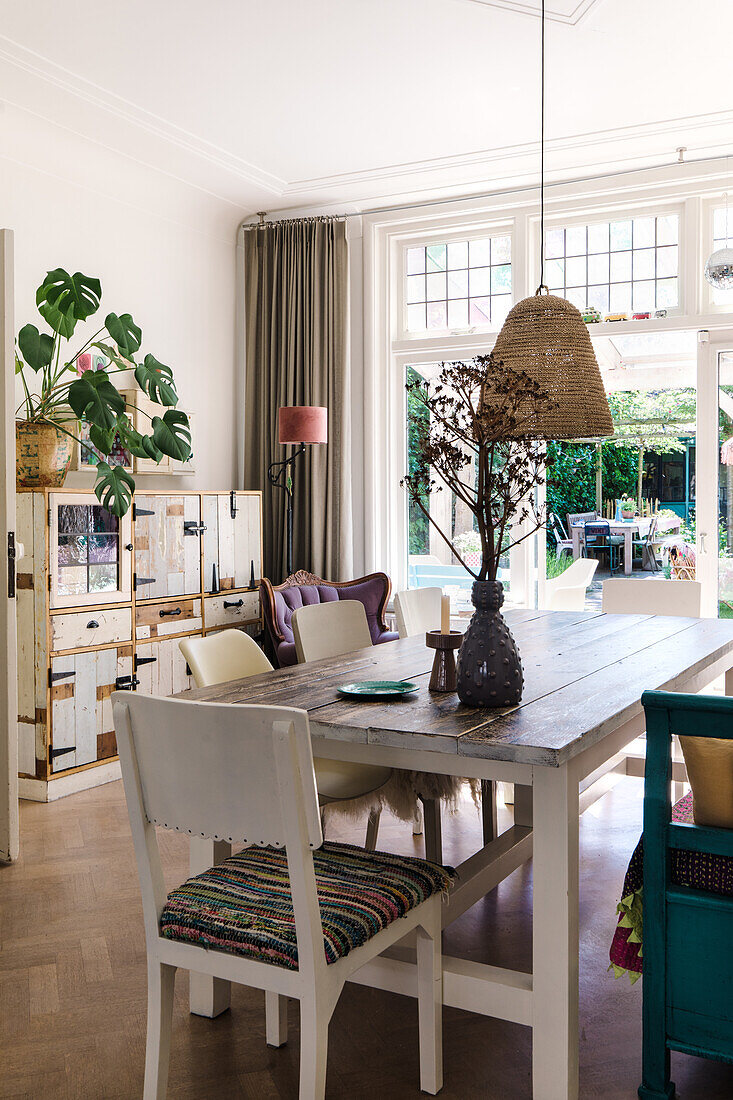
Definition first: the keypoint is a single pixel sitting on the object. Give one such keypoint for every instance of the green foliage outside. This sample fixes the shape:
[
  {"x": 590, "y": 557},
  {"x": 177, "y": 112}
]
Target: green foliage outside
[{"x": 417, "y": 421}]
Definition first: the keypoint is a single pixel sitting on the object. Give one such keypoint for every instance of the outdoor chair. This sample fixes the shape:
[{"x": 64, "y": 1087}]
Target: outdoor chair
[
  {"x": 563, "y": 543},
  {"x": 598, "y": 540},
  {"x": 290, "y": 914}
]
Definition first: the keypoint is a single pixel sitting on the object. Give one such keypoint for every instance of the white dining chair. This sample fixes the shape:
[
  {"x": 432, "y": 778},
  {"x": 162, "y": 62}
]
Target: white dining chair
[
  {"x": 233, "y": 655},
  {"x": 330, "y": 629},
  {"x": 623, "y": 596},
  {"x": 417, "y": 610},
  {"x": 567, "y": 592},
  {"x": 245, "y": 774}
]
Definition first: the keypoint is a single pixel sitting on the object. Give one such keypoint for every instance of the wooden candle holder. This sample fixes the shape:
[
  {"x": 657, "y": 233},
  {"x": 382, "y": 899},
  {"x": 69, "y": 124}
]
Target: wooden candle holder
[{"x": 443, "y": 675}]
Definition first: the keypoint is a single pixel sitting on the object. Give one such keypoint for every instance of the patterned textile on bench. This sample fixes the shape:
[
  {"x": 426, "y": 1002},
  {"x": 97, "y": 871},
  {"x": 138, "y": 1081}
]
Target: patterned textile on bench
[
  {"x": 244, "y": 905},
  {"x": 697, "y": 870}
]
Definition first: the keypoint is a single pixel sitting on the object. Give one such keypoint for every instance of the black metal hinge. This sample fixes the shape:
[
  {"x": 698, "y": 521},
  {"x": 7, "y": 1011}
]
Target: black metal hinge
[
  {"x": 138, "y": 511},
  {"x": 54, "y": 676},
  {"x": 138, "y": 581},
  {"x": 53, "y": 753},
  {"x": 144, "y": 661}
]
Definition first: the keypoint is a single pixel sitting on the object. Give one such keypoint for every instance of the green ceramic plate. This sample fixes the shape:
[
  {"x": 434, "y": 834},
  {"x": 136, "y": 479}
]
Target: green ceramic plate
[{"x": 378, "y": 689}]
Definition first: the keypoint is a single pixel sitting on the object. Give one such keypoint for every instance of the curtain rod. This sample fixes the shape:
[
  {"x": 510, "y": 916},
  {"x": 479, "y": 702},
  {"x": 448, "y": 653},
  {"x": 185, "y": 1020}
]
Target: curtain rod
[{"x": 262, "y": 214}]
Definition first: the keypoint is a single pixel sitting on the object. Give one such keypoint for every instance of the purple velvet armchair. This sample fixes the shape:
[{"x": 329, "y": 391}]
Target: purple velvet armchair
[{"x": 280, "y": 601}]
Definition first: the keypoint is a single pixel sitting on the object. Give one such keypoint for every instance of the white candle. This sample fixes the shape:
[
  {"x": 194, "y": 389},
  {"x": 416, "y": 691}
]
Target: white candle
[{"x": 445, "y": 614}]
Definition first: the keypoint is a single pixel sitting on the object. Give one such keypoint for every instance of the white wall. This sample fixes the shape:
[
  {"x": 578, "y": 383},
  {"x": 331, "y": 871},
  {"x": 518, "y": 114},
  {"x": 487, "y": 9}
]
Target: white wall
[{"x": 164, "y": 251}]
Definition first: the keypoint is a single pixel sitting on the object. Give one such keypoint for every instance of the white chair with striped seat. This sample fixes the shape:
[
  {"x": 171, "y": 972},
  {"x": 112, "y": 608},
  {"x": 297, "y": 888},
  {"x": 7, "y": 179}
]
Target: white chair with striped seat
[
  {"x": 232, "y": 655},
  {"x": 286, "y": 914}
]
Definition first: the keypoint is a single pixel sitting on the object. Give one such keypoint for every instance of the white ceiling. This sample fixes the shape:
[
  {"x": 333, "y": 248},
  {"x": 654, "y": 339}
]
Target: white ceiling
[{"x": 281, "y": 103}]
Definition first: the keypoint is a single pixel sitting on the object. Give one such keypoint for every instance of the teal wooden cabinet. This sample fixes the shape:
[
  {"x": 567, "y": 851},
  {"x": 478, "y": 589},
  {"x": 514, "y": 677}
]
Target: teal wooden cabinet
[{"x": 688, "y": 961}]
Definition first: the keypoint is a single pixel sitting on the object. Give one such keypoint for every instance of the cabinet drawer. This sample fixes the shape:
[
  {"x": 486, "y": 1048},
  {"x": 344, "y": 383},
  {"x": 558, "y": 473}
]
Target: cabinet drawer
[
  {"x": 91, "y": 628},
  {"x": 231, "y": 608},
  {"x": 162, "y": 620}
]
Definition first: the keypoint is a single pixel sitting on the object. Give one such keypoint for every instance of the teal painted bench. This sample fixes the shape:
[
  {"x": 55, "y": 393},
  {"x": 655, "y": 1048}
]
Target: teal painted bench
[{"x": 688, "y": 961}]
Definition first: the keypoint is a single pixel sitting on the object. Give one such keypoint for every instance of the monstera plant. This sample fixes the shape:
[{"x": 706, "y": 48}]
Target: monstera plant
[{"x": 59, "y": 398}]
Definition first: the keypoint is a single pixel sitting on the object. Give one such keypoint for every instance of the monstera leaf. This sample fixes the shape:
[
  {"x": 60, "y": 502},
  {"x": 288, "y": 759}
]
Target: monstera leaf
[
  {"x": 35, "y": 347},
  {"x": 156, "y": 380},
  {"x": 114, "y": 488},
  {"x": 125, "y": 333},
  {"x": 95, "y": 400},
  {"x": 64, "y": 299},
  {"x": 172, "y": 434},
  {"x": 139, "y": 445}
]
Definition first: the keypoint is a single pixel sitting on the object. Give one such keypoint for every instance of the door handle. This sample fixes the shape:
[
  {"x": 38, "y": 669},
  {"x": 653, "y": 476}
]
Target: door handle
[
  {"x": 92, "y": 624},
  {"x": 233, "y": 603},
  {"x": 175, "y": 611}
]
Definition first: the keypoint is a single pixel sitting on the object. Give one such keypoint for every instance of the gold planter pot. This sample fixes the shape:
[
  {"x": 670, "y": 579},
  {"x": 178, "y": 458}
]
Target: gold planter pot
[{"x": 42, "y": 455}]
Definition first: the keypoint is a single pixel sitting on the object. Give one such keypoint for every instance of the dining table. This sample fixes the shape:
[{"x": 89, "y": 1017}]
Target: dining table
[
  {"x": 630, "y": 529},
  {"x": 562, "y": 747}
]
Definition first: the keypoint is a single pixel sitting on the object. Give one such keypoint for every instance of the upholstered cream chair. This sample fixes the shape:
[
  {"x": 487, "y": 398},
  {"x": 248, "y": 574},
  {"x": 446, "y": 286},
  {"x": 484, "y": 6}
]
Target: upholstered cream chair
[
  {"x": 330, "y": 629},
  {"x": 417, "y": 610},
  {"x": 624, "y": 596},
  {"x": 232, "y": 655}
]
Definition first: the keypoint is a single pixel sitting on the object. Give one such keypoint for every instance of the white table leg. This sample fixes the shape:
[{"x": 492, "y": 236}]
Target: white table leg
[
  {"x": 555, "y": 935},
  {"x": 628, "y": 550},
  {"x": 208, "y": 996},
  {"x": 729, "y": 682}
]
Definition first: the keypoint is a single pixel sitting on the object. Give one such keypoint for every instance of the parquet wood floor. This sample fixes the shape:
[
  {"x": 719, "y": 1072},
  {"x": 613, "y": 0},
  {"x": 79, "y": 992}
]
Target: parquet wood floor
[{"x": 72, "y": 979}]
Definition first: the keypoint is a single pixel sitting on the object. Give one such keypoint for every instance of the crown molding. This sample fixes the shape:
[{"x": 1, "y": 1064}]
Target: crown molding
[
  {"x": 576, "y": 9},
  {"x": 28, "y": 61},
  {"x": 518, "y": 155}
]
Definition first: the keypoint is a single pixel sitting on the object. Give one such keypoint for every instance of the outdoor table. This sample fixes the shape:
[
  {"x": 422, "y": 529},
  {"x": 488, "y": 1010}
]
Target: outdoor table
[
  {"x": 629, "y": 528},
  {"x": 562, "y": 747}
]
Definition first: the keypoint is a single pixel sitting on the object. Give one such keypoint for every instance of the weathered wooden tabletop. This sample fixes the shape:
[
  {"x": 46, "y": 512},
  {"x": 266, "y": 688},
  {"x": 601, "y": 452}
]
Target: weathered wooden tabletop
[{"x": 584, "y": 674}]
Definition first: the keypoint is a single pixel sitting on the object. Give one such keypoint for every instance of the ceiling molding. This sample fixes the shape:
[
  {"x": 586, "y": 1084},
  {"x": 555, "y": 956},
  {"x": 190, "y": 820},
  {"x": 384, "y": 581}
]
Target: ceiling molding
[
  {"x": 42, "y": 69},
  {"x": 571, "y": 15},
  {"x": 519, "y": 152}
]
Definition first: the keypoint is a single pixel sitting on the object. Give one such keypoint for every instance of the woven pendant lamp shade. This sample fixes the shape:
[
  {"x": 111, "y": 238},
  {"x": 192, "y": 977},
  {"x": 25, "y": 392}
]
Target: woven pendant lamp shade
[{"x": 546, "y": 337}]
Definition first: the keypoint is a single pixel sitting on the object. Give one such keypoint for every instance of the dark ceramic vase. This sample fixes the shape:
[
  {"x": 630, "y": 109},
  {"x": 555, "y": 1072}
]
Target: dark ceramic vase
[{"x": 489, "y": 665}]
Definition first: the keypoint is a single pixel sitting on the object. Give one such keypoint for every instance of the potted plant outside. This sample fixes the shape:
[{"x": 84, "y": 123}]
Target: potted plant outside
[
  {"x": 628, "y": 508},
  {"x": 472, "y": 438},
  {"x": 56, "y": 397}
]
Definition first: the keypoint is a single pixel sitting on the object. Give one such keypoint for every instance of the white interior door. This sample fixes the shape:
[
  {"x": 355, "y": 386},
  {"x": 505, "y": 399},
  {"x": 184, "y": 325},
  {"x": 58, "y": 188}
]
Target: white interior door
[
  {"x": 8, "y": 638},
  {"x": 711, "y": 346}
]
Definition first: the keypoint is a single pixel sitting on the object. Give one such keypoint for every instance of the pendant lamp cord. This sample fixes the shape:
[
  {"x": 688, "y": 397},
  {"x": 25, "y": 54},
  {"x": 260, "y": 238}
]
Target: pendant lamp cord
[{"x": 542, "y": 152}]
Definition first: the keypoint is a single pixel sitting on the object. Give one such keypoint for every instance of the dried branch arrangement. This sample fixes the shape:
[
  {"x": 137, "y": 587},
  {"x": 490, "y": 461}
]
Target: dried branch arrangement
[{"x": 474, "y": 439}]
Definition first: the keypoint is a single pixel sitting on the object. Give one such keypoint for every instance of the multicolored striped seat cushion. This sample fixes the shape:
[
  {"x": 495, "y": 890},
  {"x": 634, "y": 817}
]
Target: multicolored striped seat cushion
[{"x": 244, "y": 905}]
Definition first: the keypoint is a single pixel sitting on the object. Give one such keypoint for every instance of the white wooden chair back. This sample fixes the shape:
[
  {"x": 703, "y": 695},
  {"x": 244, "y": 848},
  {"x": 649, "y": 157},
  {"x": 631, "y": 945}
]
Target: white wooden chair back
[
  {"x": 330, "y": 629},
  {"x": 223, "y": 771},
  {"x": 417, "y": 611},
  {"x": 567, "y": 592},
  {"x": 228, "y": 655},
  {"x": 651, "y": 597}
]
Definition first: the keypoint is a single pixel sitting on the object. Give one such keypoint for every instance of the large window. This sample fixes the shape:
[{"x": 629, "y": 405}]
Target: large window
[
  {"x": 458, "y": 284},
  {"x": 722, "y": 238},
  {"x": 624, "y": 266}
]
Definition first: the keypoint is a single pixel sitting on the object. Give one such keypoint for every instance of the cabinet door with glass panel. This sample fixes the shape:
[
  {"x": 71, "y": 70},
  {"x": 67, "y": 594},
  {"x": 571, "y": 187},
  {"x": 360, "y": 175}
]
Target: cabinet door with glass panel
[{"x": 90, "y": 552}]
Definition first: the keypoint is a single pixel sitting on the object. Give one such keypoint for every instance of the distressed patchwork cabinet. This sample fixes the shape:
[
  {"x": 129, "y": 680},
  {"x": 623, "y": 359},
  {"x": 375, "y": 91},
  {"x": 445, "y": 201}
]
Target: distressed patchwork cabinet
[{"x": 101, "y": 604}]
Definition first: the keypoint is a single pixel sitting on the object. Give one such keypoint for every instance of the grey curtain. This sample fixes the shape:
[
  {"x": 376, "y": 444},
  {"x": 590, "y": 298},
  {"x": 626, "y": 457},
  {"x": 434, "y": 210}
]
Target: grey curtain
[{"x": 297, "y": 333}]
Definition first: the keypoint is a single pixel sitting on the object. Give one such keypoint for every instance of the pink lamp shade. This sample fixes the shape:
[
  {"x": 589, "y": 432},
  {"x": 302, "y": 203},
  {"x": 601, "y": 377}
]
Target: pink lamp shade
[{"x": 302, "y": 424}]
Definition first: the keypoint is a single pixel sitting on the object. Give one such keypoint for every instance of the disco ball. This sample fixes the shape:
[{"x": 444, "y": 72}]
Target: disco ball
[{"x": 719, "y": 268}]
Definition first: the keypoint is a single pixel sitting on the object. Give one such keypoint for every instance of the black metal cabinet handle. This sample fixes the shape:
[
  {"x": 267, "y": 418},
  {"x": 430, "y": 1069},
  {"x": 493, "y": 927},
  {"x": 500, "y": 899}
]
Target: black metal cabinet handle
[
  {"x": 233, "y": 603},
  {"x": 129, "y": 546},
  {"x": 126, "y": 683},
  {"x": 92, "y": 624},
  {"x": 174, "y": 611}
]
